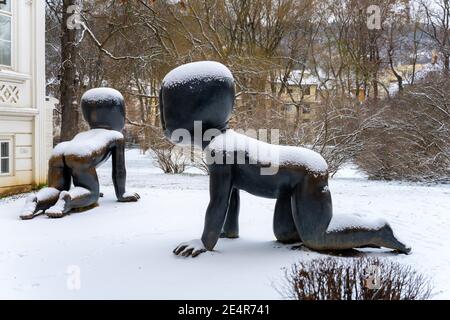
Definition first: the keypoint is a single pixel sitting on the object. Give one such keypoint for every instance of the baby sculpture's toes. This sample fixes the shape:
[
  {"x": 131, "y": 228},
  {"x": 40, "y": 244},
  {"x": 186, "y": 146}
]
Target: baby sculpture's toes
[
  {"x": 129, "y": 197},
  {"x": 27, "y": 216},
  {"x": 191, "y": 248},
  {"x": 54, "y": 213},
  {"x": 59, "y": 209},
  {"x": 29, "y": 210}
]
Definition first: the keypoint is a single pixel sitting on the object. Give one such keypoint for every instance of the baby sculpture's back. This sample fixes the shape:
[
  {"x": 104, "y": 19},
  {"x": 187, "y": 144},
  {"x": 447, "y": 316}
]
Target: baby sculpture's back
[
  {"x": 94, "y": 144},
  {"x": 260, "y": 152}
]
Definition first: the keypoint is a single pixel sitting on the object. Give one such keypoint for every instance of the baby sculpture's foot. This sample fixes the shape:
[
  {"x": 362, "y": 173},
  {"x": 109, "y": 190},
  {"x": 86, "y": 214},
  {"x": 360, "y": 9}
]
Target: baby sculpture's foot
[
  {"x": 391, "y": 241},
  {"x": 60, "y": 207},
  {"x": 229, "y": 234},
  {"x": 29, "y": 209}
]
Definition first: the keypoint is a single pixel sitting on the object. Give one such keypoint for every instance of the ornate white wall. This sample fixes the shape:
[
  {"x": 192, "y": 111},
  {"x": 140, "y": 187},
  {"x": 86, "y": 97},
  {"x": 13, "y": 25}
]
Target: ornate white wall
[{"x": 24, "y": 117}]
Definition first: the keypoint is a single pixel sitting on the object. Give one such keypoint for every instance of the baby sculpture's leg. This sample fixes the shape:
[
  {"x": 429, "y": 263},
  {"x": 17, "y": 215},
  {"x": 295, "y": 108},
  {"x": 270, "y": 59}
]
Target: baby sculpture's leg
[
  {"x": 283, "y": 221},
  {"x": 59, "y": 180},
  {"x": 230, "y": 229},
  {"x": 85, "y": 193},
  {"x": 312, "y": 212}
]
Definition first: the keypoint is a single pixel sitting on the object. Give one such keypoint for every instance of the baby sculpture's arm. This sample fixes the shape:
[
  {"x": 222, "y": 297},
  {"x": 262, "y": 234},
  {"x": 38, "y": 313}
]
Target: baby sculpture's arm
[{"x": 119, "y": 173}]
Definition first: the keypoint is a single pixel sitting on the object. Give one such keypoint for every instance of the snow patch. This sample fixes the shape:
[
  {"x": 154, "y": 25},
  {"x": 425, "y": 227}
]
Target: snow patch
[
  {"x": 343, "y": 222},
  {"x": 86, "y": 143},
  {"x": 209, "y": 70},
  {"x": 350, "y": 170},
  {"x": 78, "y": 192},
  {"x": 47, "y": 193},
  {"x": 262, "y": 152},
  {"x": 428, "y": 69}
]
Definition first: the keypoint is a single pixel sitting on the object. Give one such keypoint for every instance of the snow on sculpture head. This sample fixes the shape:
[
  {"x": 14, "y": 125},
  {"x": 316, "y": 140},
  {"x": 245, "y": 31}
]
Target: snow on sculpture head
[
  {"x": 199, "y": 91},
  {"x": 104, "y": 108}
]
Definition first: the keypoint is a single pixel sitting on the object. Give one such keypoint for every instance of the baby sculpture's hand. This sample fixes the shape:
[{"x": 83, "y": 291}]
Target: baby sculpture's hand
[
  {"x": 191, "y": 248},
  {"x": 129, "y": 197}
]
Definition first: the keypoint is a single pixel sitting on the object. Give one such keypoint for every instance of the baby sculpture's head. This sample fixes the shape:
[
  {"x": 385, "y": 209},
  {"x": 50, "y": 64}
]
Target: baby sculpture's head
[
  {"x": 104, "y": 108},
  {"x": 196, "y": 92}
]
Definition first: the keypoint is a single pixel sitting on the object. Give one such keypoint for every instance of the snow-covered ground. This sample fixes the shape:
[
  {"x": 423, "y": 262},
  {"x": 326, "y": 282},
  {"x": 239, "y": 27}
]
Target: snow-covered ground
[{"x": 124, "y": 250}]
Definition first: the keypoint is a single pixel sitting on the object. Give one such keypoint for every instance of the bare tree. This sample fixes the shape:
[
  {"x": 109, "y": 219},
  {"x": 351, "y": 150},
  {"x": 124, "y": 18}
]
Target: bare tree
[
  {"x": 437, "y": 27},
  {"x": 69, "y": 79}
]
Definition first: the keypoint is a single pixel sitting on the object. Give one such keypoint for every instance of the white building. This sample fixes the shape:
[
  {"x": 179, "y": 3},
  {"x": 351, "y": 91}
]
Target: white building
[{"x": 25, "y": 121}]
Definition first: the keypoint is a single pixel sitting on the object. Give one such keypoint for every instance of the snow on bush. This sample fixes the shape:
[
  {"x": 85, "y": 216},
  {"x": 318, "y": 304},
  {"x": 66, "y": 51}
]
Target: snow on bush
[{"x": 354, "y": 279}]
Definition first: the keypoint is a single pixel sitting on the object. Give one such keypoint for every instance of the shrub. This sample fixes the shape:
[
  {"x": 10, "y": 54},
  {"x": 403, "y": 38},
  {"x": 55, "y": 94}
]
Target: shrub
[
  {"x": 170, "y": 158},
  {"x": 354, "y": 279},
  {"x": 412, "y": 138}
]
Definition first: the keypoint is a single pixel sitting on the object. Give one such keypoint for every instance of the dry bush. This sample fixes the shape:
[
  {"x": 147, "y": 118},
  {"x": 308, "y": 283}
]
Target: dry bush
[
  {"x": 198, "y": 160},
  {"x": 412, "y": 138},
  {"x": 168, "y": 157},
  {"x": 335, "y": 131},
  {"x": 171, "y": 159},
  {"x": 351, "y": 279}
]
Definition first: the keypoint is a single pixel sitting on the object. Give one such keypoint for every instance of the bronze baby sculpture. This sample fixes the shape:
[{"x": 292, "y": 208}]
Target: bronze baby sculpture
[
  {"x": 198, "y": 98},
  {"x": 76, "y": 160}
]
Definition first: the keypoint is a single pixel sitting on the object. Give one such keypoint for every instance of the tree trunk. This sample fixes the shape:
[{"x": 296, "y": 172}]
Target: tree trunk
[
  {"x": 69, "y": 79},
  {"x": 447, "y": 63}
]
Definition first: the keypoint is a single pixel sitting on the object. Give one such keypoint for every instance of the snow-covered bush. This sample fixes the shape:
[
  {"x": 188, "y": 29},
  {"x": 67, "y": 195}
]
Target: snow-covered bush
[
  {"x": 170, "y": 158},
  {"x": 336, "y": 129},
  {"x": 198, "y": 161},
  {"x": 354, "y": 279},
  {"x": 412, "y": 138}
]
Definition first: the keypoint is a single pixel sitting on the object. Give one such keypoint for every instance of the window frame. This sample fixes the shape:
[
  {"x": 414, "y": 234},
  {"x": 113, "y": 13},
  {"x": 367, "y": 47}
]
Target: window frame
[
  {"x": 10, "y": 156},
  {"x": 306, "y": 109},
  {"x": 307, "y": 90},
  {"x": 10, "y": 14}
]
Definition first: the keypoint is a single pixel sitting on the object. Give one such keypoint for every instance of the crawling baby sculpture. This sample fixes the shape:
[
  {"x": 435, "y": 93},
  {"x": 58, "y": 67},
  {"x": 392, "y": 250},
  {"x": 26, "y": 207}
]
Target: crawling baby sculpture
[
  {"x": 204, "y": 91},
  {"x": 76, "y": 160}
]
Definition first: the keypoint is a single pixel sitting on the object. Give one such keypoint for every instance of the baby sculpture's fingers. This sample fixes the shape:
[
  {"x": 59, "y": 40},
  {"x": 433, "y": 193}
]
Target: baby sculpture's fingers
[
  {"x": 180, "y": 248},
  {"x": 191, "y": 248}
]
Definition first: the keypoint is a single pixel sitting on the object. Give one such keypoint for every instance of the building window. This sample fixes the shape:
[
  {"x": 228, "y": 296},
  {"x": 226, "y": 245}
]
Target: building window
[
  {"x": 5, "y": 157},
  {"x": 306, "y": 110},
  {"x": 307, "y": 90},
  {"x": 289, "y": 107},
  {"x": 5, "y": 33}
]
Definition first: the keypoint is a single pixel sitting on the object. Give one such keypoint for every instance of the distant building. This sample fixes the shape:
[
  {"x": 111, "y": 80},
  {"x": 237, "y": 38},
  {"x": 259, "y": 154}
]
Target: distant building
[
  {"x": 25, "y": 117},
  {"x": 300, "y": 89}
]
